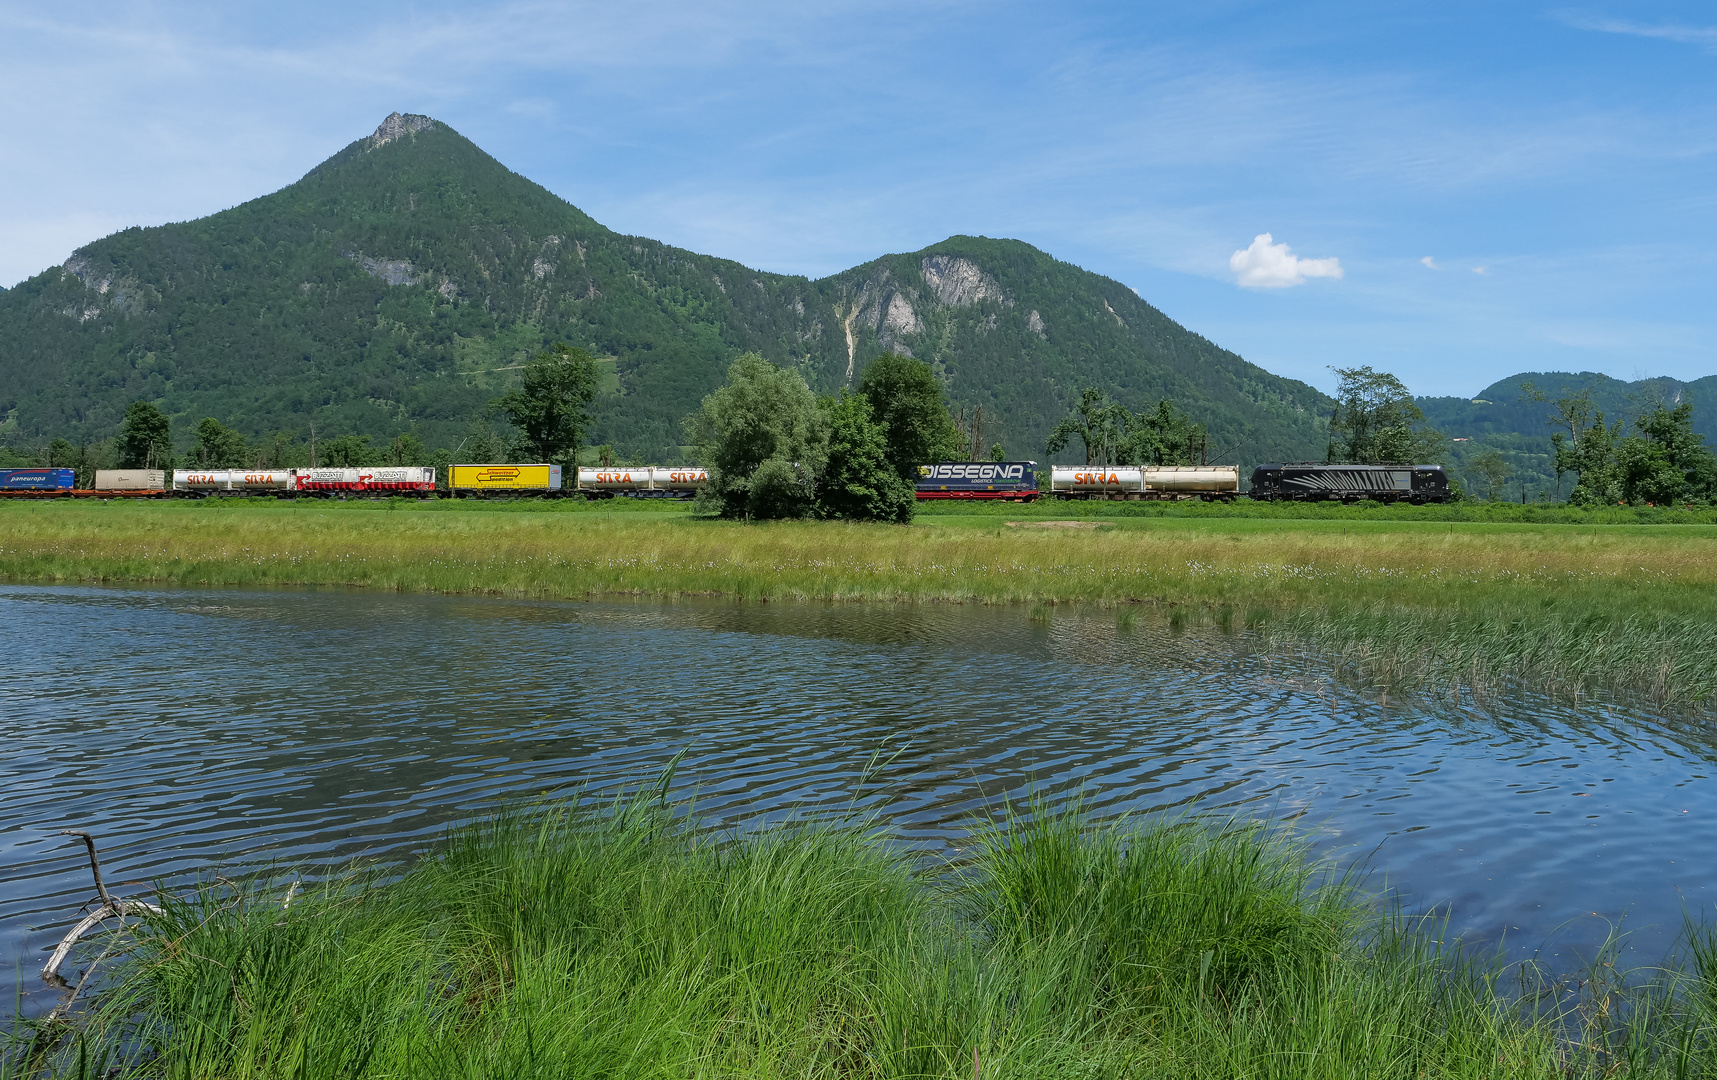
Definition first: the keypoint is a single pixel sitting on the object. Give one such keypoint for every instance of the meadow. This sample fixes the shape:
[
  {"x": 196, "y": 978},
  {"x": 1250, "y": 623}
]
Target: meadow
[
  {"x": 1393, "y": 603},
  {"x": 581, "y": 940}
]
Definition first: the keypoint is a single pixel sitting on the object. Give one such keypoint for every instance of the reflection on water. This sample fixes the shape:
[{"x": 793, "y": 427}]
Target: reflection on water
[{"x": 195, "y": 729}]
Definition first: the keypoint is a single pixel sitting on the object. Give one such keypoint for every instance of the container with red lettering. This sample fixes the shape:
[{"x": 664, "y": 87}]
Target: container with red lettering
[{"x": 405, "y": 479}]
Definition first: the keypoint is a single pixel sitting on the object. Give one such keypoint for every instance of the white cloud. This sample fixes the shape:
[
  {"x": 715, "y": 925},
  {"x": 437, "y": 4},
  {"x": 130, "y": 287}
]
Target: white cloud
[
  {"x": 1481, "y": 270},
  {"x": 1430, "y": 263},
  {"x": 1703, "y": 36},
  {"x": 1269, "y": 265}
]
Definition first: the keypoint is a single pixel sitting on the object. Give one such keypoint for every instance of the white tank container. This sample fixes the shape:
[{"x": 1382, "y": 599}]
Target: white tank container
[
  {"x": 679, "y": 478},
  {"x": 1096, "y": 479},
  {"x": 232, "y": 479},
  {"x": 616, "y": 478}
]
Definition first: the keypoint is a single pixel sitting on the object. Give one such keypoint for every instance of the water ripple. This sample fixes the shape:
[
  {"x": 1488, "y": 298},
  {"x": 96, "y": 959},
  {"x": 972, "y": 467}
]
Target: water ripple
[{"x": 192, "y": 729}]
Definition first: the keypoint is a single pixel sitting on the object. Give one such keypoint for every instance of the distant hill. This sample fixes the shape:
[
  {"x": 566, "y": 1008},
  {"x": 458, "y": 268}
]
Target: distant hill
[
  {"x": 399, "y": 284},
  {"x": 1500, "y": 417}
]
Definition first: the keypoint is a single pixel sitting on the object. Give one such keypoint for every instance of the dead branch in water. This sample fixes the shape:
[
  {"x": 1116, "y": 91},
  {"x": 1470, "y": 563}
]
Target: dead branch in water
[{"x": 111, "y": 908}]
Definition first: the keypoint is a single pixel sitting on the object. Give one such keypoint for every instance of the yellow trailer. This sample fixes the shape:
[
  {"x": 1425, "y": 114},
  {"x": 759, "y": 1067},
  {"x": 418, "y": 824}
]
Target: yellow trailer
[{"x": 466, "y": 479}]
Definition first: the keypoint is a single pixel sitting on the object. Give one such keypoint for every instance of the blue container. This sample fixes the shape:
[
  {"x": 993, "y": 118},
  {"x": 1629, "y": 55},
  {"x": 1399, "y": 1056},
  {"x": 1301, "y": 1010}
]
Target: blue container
[
  {"x": 37, "y": 479},
  {"x": 1015, "y": 481}
]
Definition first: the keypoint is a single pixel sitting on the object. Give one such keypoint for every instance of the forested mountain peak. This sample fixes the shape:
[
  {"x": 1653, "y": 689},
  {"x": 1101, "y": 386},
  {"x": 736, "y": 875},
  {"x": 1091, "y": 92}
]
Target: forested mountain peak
[{"x": 400, "y": 284}]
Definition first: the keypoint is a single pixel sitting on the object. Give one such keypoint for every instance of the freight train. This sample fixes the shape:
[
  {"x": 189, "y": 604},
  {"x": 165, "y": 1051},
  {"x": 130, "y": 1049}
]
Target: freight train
[{"x": 1013, "y": 481}]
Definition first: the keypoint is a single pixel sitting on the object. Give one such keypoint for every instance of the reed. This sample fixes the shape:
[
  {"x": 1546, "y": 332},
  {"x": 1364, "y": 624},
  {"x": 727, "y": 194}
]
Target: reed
[
  {"x": 1396, "y": 603},
  {"x": 618, "y": 940}
]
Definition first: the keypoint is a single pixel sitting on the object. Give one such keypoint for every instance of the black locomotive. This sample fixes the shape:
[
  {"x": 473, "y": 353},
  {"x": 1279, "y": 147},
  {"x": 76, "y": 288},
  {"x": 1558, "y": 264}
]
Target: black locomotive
[{"x": 1312, "y": 482}]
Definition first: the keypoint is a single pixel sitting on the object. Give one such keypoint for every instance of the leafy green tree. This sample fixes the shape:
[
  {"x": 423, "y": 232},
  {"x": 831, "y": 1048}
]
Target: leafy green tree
[
  {"x": 553, "y": 408},
  {"x": 349, "y": 452},
  {"x": 1376, "y": 420},
  {"x": 764, "y": 441},
  {"x": 145, "y": 438},
  {"x": 905, "y": 398},
  {"x": 406, "y": 449},
  {"x": 1165, "y": 436},
  {"x": 1490, "y": 472},
  {"x": 859, "y": 482},
  {"x": 218, "y": 446},
  {"x": 1100, "y": 424},
  {"x": 1668, "y": 462}
]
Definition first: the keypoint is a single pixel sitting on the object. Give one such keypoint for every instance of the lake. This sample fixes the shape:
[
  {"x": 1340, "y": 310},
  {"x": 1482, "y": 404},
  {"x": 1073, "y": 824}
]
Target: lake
[{"x": 196, "y": 732}]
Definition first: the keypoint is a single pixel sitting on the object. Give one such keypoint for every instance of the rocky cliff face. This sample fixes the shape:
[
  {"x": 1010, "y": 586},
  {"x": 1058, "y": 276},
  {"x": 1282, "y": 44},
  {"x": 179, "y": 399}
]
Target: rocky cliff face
[{"x": 398, "y": 126}]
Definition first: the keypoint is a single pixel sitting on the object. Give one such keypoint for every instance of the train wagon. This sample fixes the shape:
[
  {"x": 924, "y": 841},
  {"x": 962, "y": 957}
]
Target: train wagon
[
  {"x": 1096, "y": 481},
  {"x": 1316, "y": 482},
  {"x": 465, "y": 480},
  {"x": 404, "y": 479},
  {"x": 1014, "y": 481},
  {"x": 131, "y": 481},
  {"x": 37, "y": 481},
  {"x": 1145, "y": 482},
  {"x": 210, "y": 481},
  {"x": 1206, "y": 482},
  {"x": 642, "y": 481}
]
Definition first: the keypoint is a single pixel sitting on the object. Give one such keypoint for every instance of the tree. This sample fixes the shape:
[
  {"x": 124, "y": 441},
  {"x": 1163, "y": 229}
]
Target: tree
[
  {"x": 145, "y": 438},
  {"x": 1668, "y": 462},
  {"x": 1376, "y": 420},
  {"x": 764, "y": 441},
  {"x": 905, "y": 399},
  {"x": 552, "y": 409},
  {"x": 349, "y": 452},
  {"x": 406, "y": 449},
  {"x": 1115, "y": 436},
  {"x": 218, "y": 446},
  {"x": 1490, "y": 472},
  {"x": 1164, "y": 437},
  {"x": 859, "y": 483},
  {"x": 1101, "y": 425}
]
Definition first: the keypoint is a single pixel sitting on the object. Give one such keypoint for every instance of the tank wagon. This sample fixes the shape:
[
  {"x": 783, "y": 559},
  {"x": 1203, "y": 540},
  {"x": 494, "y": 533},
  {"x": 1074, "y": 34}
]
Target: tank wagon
[
  {"x": 1208, "y": 482},
  {"x": 1316, "y": 482},
  {"x": 1013, "y": 481},
  {"x": 642, "y": 481}
]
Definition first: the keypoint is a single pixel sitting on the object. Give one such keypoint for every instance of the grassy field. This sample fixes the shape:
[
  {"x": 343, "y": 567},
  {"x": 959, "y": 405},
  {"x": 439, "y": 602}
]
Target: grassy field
[
  {"x": 619, "y": 942},
  {"x": 1398, "y": 603}
]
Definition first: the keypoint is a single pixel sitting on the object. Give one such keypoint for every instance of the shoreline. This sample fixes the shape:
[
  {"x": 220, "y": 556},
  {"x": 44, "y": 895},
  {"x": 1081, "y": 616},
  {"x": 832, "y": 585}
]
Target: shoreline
[{"x": 1430, "y": 605}]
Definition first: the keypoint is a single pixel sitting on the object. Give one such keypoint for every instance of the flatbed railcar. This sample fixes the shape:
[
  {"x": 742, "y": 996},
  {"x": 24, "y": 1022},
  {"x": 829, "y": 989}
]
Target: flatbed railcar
[
  {"x": 1306, "y": 481},
  {"x": 1155, "y": 482},
  {"x": 1012, "y": 481}
]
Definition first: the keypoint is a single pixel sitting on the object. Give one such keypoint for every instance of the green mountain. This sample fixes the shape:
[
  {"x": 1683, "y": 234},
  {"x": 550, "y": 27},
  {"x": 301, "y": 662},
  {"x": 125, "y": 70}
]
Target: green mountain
[
  {"x": 400, "y": 283},
  {"x": 1502, "y": 417}
]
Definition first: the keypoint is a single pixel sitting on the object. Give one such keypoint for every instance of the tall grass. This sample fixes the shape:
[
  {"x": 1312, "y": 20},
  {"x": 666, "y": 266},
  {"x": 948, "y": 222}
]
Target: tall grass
[
  {"x": 1399, "y": 603},
  {"x": 618, "y": 941}
]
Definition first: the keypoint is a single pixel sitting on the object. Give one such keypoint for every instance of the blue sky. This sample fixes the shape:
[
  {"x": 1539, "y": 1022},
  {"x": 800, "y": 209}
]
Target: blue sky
[{"x": 1554, "y": 164}]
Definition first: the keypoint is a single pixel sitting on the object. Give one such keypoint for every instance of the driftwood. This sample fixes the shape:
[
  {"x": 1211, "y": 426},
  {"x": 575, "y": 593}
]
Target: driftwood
[{"x": 111, "y": 908}]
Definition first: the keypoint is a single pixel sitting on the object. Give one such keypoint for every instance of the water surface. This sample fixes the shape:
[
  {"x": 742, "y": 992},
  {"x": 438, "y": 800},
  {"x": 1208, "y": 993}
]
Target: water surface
[{"x": 195, "y": 731}]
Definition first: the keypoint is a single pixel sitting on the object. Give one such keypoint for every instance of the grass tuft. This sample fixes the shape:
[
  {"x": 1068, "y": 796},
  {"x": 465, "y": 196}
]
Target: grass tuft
[{"x": 586, "y": 940}]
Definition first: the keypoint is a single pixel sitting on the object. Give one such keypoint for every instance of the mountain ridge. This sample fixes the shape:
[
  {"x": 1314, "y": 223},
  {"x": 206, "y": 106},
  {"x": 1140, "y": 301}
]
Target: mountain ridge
[{"x": 398, "y": 284}]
